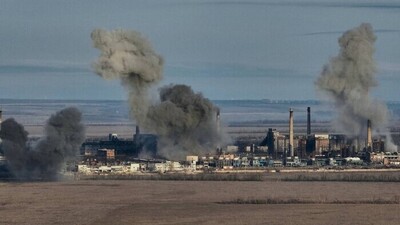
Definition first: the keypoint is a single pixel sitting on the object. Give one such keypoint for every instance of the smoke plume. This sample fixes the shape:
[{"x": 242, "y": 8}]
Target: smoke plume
[
  {"x": 63, "y": 135},
  {"x": 348, "y": 78},
  {"x": 128, "y": 56},
  {"x": 185, "y": 122}
]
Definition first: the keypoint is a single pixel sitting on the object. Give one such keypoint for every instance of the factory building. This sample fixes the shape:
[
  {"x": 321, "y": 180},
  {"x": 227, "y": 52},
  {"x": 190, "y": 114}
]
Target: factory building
[
  {"x": 317, "y": 144},
  {"x": 132, "y": 147},
  {"x": 276, "y": 143},
  {"x": 280, "y": 146},
  {"x": 378, "y": 145}
]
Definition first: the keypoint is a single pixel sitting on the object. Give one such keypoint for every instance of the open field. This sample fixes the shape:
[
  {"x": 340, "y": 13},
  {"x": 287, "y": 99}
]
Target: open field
[
  {"x": 290, "y": 174},
  {"x": 198, "y": 202}
]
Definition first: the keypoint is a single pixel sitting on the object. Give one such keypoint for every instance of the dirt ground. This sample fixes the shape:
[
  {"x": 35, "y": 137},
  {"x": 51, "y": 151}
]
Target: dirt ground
[{"x": 193, "y": 202}]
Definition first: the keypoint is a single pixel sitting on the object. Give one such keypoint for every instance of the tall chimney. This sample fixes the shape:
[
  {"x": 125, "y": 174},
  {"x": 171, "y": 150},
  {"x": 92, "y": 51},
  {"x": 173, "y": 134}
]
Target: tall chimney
[
  {"x": 218, "y": 121},
  {"x": 308, "y": 121},
  {"x": 291, "y": 149},
  {"x": 1, "y": 119},
  {"x": 136, "y": 135},
  {"x": 137, "y": 130},
  {"x": 369, "y": 135}
]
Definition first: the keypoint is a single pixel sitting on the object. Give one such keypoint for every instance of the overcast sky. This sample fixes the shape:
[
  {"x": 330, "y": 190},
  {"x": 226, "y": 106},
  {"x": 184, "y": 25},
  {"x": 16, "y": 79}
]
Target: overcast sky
[{"x": 224, "y": 49}]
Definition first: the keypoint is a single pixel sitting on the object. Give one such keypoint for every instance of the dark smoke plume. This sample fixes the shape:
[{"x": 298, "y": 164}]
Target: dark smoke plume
[
  {"x": 63, "y": 135},
  {"x": 128, "y": 56},
  {"x": 185, "y": 122},
  {"x": 348, "y": 78}
]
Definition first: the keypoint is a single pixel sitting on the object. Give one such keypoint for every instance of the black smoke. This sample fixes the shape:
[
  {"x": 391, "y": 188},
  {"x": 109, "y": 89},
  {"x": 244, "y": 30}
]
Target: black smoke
[
  {"x": 43, "y": 159},
  {"x": 185, "y": 122}
]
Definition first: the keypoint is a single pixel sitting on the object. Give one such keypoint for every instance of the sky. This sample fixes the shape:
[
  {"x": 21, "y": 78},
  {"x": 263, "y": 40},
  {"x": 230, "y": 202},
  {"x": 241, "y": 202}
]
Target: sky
[{"x": 261, "y": 49}]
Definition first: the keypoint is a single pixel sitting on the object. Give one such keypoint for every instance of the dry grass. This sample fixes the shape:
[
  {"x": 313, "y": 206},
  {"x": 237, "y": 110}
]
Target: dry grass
[
  {"x": 344, "y": 176},
  {"x": 180, "y": 177},
  {"x": 394, "y": 200},
  {"x": 386, "y": 176},
  {"x": 195, "y": 202}
]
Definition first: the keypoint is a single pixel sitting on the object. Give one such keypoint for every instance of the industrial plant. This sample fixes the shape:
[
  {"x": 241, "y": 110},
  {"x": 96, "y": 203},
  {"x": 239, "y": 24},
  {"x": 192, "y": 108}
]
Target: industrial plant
[
  {"x": 276, "y": 151},
  {"x": 184, "y": 128}
]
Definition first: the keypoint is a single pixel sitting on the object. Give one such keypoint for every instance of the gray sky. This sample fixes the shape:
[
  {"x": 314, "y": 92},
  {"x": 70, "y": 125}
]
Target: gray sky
[{"x": 225, "y": 49}]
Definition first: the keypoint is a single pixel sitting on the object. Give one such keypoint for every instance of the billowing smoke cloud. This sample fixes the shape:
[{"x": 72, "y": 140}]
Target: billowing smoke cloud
[
  {"x": 185, "y": 122},
  {"x": 128, "y": 56},
  {"x": 348, "y": 78},
  {"x": 63, "y": 135}
]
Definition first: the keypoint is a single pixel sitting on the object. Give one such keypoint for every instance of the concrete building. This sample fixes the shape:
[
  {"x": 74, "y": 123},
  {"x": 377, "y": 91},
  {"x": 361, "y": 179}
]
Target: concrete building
[
  {"x": 123, "y": 147},
  {"x": 135, "y": 167}
]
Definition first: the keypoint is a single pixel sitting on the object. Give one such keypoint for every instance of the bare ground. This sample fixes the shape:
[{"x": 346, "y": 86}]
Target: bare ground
[{"x": 193, "y": 202}]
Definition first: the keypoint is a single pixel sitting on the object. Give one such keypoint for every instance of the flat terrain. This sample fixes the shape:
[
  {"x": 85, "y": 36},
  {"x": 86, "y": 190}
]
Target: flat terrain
[{"x": 194, "y": 202}]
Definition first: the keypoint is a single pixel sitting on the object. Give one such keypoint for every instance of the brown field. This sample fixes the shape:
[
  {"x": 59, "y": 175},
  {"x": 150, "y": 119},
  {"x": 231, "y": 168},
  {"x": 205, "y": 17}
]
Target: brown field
[{"x": 195, "y": 202}]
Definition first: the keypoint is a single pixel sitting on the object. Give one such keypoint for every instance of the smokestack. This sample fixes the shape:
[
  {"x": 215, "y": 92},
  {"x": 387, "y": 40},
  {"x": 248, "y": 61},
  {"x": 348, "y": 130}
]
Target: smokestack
[
  {"x": 137, "y": 130},
  {"x": 308, "y": 121},
  {"x": 218, "y": 121},
  {"x": 369, "y": 135},
  {"x": 291, "y": 132},
  {"x": 137, "y": 133},
  {"x": 219, "y": 150},
  {"x": 1, "y": 119}
]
